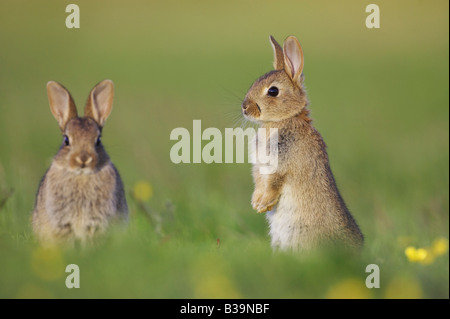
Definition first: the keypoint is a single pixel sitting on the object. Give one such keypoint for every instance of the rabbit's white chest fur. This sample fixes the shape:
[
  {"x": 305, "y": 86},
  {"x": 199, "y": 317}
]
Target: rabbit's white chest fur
[
  {"x": 79, "y": 205},
  {"x": 285, "y": 222}
]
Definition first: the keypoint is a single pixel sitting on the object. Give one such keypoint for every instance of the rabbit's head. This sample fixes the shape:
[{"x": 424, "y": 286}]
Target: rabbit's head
[
  {"x": 81, "y": 150},
  {"x": 279, "y": 94}
]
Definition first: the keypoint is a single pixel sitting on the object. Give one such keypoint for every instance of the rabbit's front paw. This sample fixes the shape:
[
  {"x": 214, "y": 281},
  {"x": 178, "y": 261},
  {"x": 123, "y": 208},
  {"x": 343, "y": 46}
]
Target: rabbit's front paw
[{"x": 264, "y": 201}]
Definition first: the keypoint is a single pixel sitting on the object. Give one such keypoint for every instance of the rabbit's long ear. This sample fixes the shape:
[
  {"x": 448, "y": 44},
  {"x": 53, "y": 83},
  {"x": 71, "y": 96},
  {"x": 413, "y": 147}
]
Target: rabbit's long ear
[
  {"x": 278, "y": 56},
  {"x": 61, "y": 103},
  {"x": 293, "y": 59},
  {"x": 99, "y": 104}
]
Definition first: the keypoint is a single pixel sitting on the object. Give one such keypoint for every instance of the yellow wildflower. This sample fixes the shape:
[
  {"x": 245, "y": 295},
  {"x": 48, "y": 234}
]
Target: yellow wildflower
[
  {"x": 440, "y": 246},
  {"x": 421, "y": 254},
  {"x": 47, "y": 263},
  {"x": 142, "y": 191},
  {"x": 427, "y": 256},
  {"x": 428, "y": 259},
  {"x": 210, "y": 274},
  {"x": 416, "y": 255},
  {"x": 403, "y": 288},
  {"x": 351, "y": 288}
]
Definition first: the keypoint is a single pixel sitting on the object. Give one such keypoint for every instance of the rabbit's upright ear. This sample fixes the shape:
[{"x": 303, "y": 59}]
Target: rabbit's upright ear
[
  {"x": 278, "y": 56},
  {"x": 61, "y": 103},
  {"x": 99, "y": 104},
  {"x": 293, "y": 59}
]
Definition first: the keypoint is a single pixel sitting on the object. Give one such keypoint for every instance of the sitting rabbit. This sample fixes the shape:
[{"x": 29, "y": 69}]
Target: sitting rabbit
[{"x": 81, "y": 193}]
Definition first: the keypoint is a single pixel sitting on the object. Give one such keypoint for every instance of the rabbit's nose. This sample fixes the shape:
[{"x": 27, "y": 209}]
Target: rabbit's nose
[
  {"x": 245, "y": 106},
  {"x": 83, "y": 159}
]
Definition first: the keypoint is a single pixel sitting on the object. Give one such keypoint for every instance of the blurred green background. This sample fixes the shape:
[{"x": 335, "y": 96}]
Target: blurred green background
[{"x": 379, "y": 97}]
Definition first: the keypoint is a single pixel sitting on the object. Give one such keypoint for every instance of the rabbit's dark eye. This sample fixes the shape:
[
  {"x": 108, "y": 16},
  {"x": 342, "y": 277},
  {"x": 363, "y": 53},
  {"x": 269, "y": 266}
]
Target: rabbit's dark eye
[
  {"x": 273, "y": 91},
  {"x": 66, "y": 140},
  {"x": 97, "y": 143}
]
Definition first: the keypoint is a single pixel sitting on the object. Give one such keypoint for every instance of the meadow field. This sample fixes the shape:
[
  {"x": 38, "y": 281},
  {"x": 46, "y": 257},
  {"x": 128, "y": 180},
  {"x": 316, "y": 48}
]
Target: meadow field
[{"x": 379, "y": 97}]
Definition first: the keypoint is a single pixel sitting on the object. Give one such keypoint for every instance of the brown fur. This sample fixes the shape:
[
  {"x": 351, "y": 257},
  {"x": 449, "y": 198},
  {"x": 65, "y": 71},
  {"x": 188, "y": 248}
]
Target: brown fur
[
  {"x": 82, "y": 192},
  {"x": 304, "y": 207}
]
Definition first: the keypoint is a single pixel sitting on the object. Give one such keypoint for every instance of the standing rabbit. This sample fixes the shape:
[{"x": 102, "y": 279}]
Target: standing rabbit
[
  {"x": 303, "y": 205},
  {"x": 81, "y": 193}
]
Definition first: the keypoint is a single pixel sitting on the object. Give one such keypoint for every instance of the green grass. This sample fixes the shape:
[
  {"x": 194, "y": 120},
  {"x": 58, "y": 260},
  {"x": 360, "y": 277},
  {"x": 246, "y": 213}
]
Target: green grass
[{"x": 378, "y": 97}]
